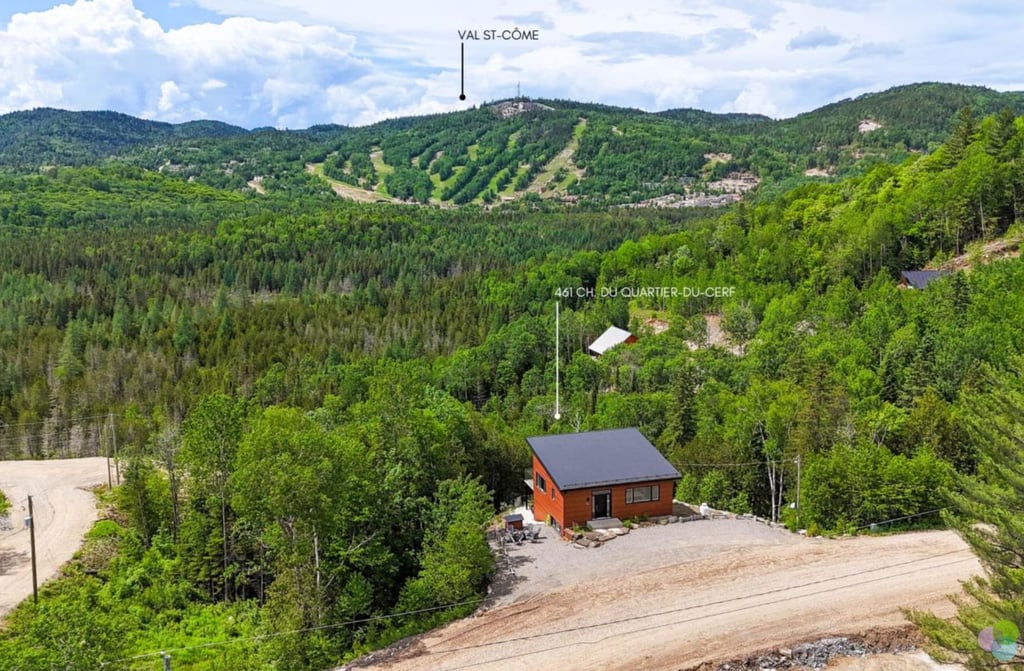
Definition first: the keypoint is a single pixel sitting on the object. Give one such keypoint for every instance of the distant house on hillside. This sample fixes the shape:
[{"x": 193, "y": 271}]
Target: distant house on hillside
[
  {"x": 580, "y": 477},
  {"x": 919, "y": 279},
  {"x": 609, "y": 339}
]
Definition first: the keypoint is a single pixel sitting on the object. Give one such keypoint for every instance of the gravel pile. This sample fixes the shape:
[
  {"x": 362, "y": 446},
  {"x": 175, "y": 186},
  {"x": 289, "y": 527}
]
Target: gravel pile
[{"x": 817, "y": 654}]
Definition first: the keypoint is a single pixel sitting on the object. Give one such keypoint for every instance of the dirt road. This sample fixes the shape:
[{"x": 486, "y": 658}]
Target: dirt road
[
  {"x": 64, "y": 510},
  {"x": 918, "y": 661},
  {"x": 717, "y": 607}
]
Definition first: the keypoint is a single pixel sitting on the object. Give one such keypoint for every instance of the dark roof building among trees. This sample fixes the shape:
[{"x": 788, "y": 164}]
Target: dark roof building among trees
[
  {"x": 919, "y": 279},
  {"x": 579, "y": 477}
]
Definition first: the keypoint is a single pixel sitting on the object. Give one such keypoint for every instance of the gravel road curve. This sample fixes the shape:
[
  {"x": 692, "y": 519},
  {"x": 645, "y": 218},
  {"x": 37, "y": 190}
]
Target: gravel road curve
[{"x": 64, "y": 510}]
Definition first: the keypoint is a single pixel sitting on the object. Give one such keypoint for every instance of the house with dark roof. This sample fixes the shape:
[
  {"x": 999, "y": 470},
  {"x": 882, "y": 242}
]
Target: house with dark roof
[
  {"x": 919, "y": 279},
  {"x": 581, "y": 477},
  {"x": 610, "y": 338}
]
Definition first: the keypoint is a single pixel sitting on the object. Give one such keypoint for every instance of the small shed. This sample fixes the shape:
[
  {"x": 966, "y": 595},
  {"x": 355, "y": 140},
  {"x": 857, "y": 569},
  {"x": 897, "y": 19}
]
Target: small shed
[
  {"x": 919, "y": 279},
  {"x": 593, "y": 475},
  {"x": 610, "y": 338}
]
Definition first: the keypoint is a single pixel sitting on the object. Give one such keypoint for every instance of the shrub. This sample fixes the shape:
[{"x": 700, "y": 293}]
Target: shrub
[
  {"x": 739, "y": 504},
  {"x": 688, "y": 489},
  {"x": 714, "y": 489}
]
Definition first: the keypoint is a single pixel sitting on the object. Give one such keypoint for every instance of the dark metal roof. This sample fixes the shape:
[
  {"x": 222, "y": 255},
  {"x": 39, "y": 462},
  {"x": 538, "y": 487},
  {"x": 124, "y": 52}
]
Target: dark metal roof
[
  {"x": 919, "y": 279},
  {"x": 595, "y": 458}
]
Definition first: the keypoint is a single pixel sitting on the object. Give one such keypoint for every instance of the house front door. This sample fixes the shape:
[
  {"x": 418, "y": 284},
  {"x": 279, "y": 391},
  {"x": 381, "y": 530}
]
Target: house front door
[{"x": 602, "y": 504}]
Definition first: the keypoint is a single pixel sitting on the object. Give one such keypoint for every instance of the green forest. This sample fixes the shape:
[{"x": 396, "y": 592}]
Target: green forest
[
  {"x": 597, "y": 154},
  {"x": 318, "y": 405}
]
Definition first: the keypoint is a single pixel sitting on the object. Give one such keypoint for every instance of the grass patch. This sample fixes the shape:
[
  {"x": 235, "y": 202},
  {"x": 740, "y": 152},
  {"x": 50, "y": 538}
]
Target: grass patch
[
  {"x": 341, "y": 188},
  {"x": 561, "y": 163},
  {"x": 509, "y": 189},
  {"x": 440, "y": 185},
  {"x": 577, "y": 132},
  {"x": 382, "y": 169}
]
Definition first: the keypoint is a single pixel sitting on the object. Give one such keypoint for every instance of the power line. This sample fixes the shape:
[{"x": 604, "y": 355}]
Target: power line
[
  {"x": 673, "y": 611},
  {"x": 58, "y": 437},
  {"x": 737, "y": 463},
  {"x": 54, "y": 446},
  {"x": 58, "y": 420},
  {"x": 587, "y": 626},
  {"x": 44, "y": 437},
  {"x": 905, "y": 517},
  {"x": 781, "y": 460},
  {"x": 262, "y": 637}
]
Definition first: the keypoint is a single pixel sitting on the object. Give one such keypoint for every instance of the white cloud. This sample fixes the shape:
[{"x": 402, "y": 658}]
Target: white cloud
[
  {"x": 104, "y": 54},
  {"x": 755, "y": 98},
  {"x": 300, "y": 62},
  {"x": 813, "y": 39},
  {"x": 171, "y": 96},
  {"x": 212, "y": 85}
]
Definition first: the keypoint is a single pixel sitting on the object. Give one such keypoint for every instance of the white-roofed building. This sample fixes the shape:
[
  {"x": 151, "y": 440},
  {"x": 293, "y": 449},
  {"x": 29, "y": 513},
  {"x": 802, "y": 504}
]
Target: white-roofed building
[{"x": 609, "y": 339}]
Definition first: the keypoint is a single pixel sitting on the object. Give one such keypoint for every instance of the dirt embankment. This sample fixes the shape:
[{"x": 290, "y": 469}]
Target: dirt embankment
[{"x": 726, "y": 605}]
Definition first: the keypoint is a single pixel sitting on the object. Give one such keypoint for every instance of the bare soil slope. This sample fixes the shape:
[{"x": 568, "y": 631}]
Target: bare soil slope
[{"x": 64, "y": 510}]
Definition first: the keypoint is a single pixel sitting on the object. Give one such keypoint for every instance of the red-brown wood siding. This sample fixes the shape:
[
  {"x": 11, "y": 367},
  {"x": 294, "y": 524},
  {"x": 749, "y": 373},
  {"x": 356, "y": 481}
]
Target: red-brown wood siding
[
  {"x": 576, "y": 507},
  {"x": 543, "y": 504},
  {"x": 663, "y": 506},
  {"x": 579, "y": 507}
]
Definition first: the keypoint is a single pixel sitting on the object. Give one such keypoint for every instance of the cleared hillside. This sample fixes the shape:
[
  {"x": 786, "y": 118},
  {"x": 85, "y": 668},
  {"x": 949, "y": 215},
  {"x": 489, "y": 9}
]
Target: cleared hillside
[{"x": 507, "y": 149}]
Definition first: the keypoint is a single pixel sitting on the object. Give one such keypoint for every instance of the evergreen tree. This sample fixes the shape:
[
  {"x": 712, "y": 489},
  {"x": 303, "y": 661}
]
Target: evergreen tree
[
  {"x": 69, "y": 359},
  {"x": 985, "y": 511},
  {"x": 681, "y": 422},
  {"x": 186, "y": 334},
  {"x": 965, "y": 131},
  {"x": 1001, "y": 130}
]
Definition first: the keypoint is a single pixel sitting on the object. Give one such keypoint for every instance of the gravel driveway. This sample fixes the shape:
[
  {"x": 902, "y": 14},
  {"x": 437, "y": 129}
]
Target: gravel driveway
[{"x": 550, "y": 563}]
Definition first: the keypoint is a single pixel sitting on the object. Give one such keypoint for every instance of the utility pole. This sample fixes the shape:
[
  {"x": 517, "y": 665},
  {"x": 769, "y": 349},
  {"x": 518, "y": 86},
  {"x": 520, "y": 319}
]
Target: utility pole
[
  {"x": 30, "y": 521},
  {"x": 110, "y": 481},
  {"x": 167, "y": 661},
  {"x": 558, "y": 412},
  {"x": 113, "y": 433},
  {"x": 797, "y": 491},
  {"x": 222, "y": 481}
]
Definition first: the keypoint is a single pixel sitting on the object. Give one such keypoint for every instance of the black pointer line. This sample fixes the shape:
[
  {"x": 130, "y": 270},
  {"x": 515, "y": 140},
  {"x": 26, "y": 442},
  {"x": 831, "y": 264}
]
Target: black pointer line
[{"x": 462, "y": 93}]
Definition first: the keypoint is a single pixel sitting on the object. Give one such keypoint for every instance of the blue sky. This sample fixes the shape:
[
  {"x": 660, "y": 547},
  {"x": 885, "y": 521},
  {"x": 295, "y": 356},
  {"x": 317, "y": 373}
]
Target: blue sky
[{"x": 294, "y": 63}]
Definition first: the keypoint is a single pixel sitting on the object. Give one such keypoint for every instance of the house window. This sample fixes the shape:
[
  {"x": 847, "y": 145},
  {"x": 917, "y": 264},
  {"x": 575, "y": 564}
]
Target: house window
[
  {"x": 541, "y": 485},
  {"x": 642, "y": 494},
  {"x": 552, "y": 493}
]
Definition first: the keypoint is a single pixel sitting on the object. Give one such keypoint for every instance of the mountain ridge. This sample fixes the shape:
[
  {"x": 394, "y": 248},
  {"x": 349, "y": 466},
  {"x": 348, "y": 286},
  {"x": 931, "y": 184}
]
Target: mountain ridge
[
  {"x": 574, "y": 150},
  {"x": 215, "y": 128}
]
